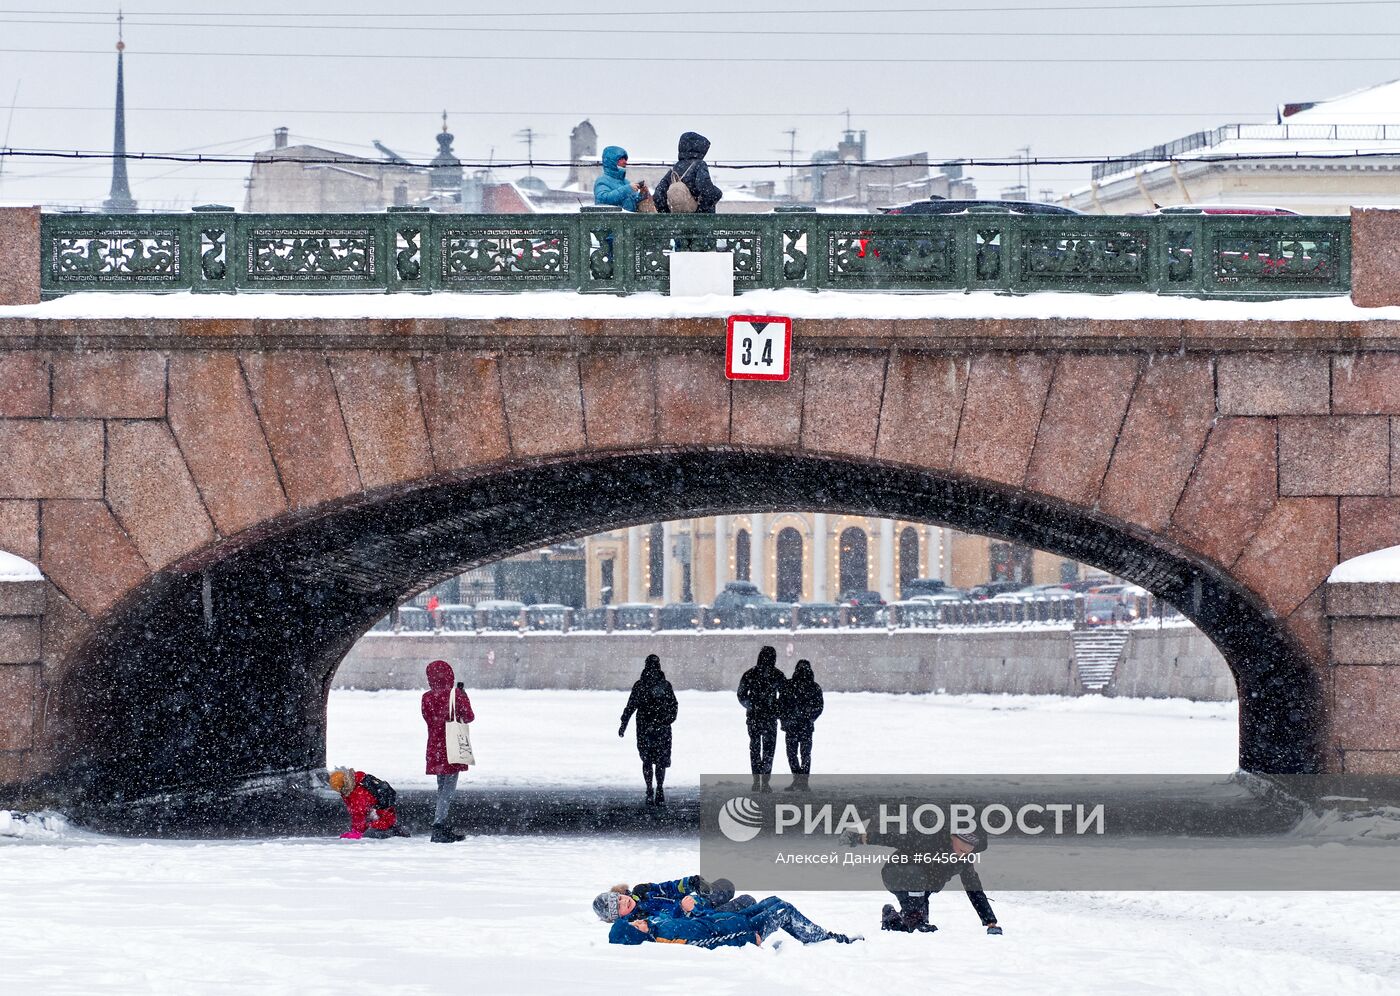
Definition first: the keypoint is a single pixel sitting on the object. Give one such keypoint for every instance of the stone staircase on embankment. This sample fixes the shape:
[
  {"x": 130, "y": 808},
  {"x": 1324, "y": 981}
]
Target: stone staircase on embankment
[{"x": 1096, "y": 655}]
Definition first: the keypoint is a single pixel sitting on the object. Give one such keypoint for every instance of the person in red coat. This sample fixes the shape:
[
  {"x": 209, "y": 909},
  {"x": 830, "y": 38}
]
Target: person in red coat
[
  {"x": 435, "y": 709},
  {"x": 370, "y": 815}
]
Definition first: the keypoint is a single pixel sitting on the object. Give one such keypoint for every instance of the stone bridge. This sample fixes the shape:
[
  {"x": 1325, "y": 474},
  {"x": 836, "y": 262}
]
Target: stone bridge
[{"x": 221, "y": 506}]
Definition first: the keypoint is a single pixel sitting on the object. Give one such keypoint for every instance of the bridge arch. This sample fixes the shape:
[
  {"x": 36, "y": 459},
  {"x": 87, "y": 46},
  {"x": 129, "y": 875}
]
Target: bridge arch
[{"x": 221, "y": 662}]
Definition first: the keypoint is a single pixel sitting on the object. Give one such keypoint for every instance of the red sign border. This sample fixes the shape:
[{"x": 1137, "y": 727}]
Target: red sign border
[{"x": 729, "y": 348}]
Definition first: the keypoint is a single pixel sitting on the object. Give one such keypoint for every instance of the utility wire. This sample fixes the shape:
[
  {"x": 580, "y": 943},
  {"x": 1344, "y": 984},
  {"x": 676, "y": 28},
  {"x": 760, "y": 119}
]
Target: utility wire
[
  {"x": 782, "y": 33},
  {"x": 1019, "y": 9},
  {"x": 746, "y": 164},
  {"x": 766, "y": 60}
]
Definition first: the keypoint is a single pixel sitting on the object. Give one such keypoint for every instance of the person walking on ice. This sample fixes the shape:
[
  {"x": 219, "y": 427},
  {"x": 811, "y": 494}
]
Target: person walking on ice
[
  {"x": 654, "y": 701},
  {"x": 758, "y": 694}
]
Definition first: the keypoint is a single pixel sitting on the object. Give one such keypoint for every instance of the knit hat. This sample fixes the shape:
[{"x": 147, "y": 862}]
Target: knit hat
[
  {"x": 606, "y": 906},
  {"x": 342, "y": 780},
  {"x": 767, "y": 655}
]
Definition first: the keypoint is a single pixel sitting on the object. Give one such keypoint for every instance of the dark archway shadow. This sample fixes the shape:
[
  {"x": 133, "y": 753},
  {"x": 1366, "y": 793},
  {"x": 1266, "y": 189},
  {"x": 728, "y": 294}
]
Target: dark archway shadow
[{"x": 218, "y": 669}]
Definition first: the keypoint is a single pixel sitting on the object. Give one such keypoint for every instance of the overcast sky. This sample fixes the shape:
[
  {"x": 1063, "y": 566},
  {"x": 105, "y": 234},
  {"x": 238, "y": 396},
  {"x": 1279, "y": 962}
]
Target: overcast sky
[{"x": 955, "y": 83}]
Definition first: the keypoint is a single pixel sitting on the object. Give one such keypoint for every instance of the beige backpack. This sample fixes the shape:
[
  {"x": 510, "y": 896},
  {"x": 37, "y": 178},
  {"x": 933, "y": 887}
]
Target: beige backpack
[{"x": 679, "y": 197}]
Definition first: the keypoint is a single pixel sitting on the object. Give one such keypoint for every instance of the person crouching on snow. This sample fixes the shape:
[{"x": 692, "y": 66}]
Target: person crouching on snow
[{"x": 370, "y": 802}]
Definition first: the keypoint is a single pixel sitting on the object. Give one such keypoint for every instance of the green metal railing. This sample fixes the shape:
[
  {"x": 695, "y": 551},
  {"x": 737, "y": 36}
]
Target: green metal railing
[{"x": 1212, "y": 256}]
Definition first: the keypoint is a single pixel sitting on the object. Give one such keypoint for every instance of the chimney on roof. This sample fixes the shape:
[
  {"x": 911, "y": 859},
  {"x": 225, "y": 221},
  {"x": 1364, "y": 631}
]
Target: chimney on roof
[{"x": 279, "y": 138}]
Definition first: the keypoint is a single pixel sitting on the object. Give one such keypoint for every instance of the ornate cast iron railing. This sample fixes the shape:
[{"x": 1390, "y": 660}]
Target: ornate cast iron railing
[{"x": 615, "y": 253}]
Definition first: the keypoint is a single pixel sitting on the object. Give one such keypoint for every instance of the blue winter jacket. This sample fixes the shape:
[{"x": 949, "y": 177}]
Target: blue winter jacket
[
  {"x": 612, "y": 187},
  {"x": 704, "y": 928}
]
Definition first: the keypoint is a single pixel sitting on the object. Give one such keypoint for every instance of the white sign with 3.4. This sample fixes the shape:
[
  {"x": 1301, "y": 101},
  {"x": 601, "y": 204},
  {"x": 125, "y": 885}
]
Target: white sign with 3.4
[{"x": 759, "y": 347}]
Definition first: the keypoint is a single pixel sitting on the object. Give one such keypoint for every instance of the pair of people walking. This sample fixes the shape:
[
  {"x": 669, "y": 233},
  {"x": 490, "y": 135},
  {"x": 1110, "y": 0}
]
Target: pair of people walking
[
  {"x": 686, "y": 188},
  {"x": 770, "y": 699}
]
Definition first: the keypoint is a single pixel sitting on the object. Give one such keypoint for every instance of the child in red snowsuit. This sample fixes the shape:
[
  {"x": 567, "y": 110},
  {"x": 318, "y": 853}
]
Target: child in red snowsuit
[{"x": 371, "y": 815}]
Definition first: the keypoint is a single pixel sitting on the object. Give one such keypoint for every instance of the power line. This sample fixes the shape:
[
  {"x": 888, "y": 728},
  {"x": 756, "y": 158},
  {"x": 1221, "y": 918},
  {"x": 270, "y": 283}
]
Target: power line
[
  {"x": 107, "y": 109},
  {"x": 1020, "y": 9},
  {"x": 746, "y": 164},
  {"x": 767, "y": 60},
  {"x": 1309, "y": 35}
]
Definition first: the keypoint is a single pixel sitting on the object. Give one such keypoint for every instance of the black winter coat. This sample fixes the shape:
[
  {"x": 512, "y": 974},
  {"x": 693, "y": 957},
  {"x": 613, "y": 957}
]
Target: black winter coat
[
  {"x": 801, "y": 701},
  {"x": 654, "y": 701},
  {"x": 927, "y": 874},
  {"x": 759, "y": 689},
  {"x": 690, "y": 164}
]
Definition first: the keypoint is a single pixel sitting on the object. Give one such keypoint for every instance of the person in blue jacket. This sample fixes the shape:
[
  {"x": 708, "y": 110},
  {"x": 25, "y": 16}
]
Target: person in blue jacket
[
  {"x": 612, "y": 187},
  {"x": 697, "y": 923}
]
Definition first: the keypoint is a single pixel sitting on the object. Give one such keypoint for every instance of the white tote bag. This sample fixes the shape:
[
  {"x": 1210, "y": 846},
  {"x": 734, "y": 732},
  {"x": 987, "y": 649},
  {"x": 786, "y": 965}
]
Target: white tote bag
[{"x": 459, "y": 739}]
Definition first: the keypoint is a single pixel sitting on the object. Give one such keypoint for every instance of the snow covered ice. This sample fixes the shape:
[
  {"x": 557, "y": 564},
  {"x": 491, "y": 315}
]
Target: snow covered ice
[{"x": 84, "y": 914}]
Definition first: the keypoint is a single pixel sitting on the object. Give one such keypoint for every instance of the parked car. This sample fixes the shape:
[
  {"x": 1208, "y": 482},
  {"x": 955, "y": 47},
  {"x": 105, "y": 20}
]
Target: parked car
[
  {"x": 633, "y": 615},
  {"x": 818, "y": 615},
  {"x": 733, "y": 599},
  {"x": 953, "y": 205},
  {"x": 865, "y": 606},
  {"x": 915, "y": 587},
  {"x": 682, "y": 615},
  {"x": 414, "y": 620},
  {"x": 982, "y": 592},
  {"x": 1246, "y": 209},
  {"x": 545, "y": 616},
  {"x": 499, "y": 613},
  {"x": 456, "y": 618},
  {"x": 1105, "y": 610}
]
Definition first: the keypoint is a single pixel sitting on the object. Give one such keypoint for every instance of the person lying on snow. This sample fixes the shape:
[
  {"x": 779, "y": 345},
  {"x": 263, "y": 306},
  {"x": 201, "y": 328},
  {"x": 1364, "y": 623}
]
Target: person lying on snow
[
  {"x": 677, "y": 896},
  {"x": 704, "y": 926},
  {"x": 370, "y": 802},
  {"x": 932, "y": 862}
]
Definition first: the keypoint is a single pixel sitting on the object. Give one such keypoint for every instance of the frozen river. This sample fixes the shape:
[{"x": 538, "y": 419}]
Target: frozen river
[{"x": 83, "y": 914}]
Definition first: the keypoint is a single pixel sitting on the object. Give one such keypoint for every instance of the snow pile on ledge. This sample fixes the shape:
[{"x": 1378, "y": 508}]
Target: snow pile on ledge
[
  {"x": 1375, "y": 823},
  {"x": 802, "y": 304},
  {"x": 14, "y": 568},
  {"x": 33, "y": 826},
  {"x": 1379, "y": 566}
]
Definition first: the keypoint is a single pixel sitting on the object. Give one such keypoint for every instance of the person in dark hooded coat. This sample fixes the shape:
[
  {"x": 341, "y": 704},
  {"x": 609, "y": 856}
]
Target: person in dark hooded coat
[
  {"x": 692, "y": 170},
  {"x": 799, "y": 704},
  {"x": 654, "y": 701},
  {"x": 758, "y": 694}
]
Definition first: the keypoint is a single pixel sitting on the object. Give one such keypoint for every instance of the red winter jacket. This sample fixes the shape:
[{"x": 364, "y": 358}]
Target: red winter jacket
[
  {"x": 360, "y": 804},
  {"x": 440, "y": 681}
]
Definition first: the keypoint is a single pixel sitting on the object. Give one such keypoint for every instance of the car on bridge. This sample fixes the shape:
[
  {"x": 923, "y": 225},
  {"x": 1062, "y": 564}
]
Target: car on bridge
[{"x": 954, "y": 205}]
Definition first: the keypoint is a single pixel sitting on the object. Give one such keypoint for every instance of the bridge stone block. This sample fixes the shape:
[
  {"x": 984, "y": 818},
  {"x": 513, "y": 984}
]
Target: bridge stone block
[
  {"x": 1292, "y": 552},
  {"x": 1370, "y": 640},
  {"x": 1005, "y": 399},
  {"x": 50, "y": 459},
  {"x": 1340, "y": 455},
  {"x": 619, "y": 399},
  {"x": 296, "y": 402},
  {"x": 151, "y": 491},
  {"x": 24, "y": 385},
  {"x": 1233, "y": 489},
  {"x": 125, "y": 384},
  {"x": 1367, "y": 524},
  {"x": 65, "y": 628},
  {"x": 1372, "y": 762},
  {"x": 19, "y": 255},
  {"x": 841, "y": 403},
  {"x": 1088, "y": 398},
  {"x": 1273, "y": 384},
  {"x": 222, "y": 441},
  {"x": 464, "y": 409},
  {"x": 88, "y": 556},
  {"x": 1174, "y": 400},
  {"x": 544, "y": 409},
  {"x": 922, "y": 408},
  {"x": 767, "y": 412},
  {"x": 22, "y": 598},
  {"x": 19, "y": 690},
  {"x": 384, "y": 416},
  {"x": 1366, "y": 708},
  {"x": 692, "y": 399},
  {"x": 1375, "y": 257},
  {"x": 20, "y": 639},
  {"x": 19, "y": 528},
  {"x": 1366, "y": 384}
]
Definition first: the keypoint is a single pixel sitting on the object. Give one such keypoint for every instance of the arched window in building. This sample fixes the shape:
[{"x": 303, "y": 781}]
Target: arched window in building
[
  {"x": 1009, "y": 562},
  {"x": 908, "y": 556},
  {"x": 742, "y": 555},
  {"x": 855, "y": 560},
  {"x": 789, "y": 565},
  {"x": 656, "y": 562}
]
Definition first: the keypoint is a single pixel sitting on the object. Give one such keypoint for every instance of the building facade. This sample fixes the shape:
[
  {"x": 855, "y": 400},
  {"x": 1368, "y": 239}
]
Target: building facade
[{"x": 799, "y": 557}]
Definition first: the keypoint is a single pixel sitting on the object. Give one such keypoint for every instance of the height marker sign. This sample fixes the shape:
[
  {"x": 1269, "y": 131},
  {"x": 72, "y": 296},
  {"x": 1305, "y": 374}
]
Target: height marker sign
[{"x": 758, "y": 347}]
